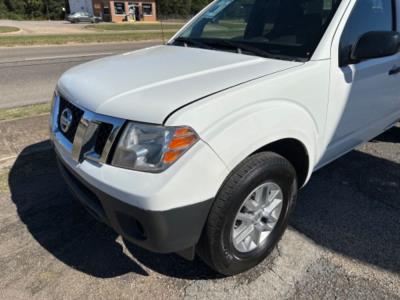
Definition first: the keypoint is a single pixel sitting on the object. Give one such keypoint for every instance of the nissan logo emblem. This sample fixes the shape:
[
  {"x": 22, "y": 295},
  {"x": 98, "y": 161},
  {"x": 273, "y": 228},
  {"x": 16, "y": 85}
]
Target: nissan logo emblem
[{"x": 66, "y": 120}]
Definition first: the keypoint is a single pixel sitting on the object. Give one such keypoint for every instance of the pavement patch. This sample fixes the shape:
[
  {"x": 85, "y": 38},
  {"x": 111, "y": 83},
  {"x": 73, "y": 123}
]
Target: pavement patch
[
  {"x": 338, "y": 284},
  {"x": 17, "y": 135}
]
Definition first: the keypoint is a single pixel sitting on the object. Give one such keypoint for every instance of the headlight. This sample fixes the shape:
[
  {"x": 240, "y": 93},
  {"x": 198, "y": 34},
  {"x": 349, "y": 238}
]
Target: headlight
[
  {"x": 54, "y": 105},
  {"x": 152, "y": 148}
]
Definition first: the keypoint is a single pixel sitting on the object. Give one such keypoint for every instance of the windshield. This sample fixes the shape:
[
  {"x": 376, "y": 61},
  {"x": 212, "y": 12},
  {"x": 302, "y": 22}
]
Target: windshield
[{"x": 282, "y": 29}]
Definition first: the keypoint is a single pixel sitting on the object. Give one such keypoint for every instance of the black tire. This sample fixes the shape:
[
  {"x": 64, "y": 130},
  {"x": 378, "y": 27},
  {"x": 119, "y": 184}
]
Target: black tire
[{"x": 216, "y": 246}]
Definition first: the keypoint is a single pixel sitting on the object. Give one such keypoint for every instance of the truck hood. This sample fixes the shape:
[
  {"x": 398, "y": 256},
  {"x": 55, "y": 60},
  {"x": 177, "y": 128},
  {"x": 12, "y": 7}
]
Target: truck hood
[{"x": 149, "y": 84}]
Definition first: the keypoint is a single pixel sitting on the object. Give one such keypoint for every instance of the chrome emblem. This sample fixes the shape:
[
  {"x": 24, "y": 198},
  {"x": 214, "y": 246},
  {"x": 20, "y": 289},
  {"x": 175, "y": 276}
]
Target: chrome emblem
[{"x": 66, "y": 120}]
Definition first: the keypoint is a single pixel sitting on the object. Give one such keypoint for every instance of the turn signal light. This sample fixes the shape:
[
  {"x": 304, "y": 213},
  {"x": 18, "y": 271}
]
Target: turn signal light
[
  {"x": 182, "y": 140},
  {"x": 171, "y": 156}
]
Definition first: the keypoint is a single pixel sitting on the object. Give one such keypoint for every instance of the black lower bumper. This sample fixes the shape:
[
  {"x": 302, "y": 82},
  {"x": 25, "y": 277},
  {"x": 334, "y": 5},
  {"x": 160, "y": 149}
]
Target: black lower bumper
[{"x": 159, "y": 231}]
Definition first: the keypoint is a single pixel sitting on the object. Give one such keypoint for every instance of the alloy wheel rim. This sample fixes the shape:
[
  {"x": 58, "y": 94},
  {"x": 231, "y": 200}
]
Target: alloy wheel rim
[{"x": 257, "y": 217}]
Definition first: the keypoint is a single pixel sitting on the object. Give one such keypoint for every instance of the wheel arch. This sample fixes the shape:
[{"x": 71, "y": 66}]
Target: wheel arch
[{"x": 295, "y": 152}]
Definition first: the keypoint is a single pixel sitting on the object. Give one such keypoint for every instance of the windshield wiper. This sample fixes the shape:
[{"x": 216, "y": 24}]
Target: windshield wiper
[
  {"x": 192, "y": 42},
  {"x": 237, "y": 46},
  {"x": 241, "y": 47}
]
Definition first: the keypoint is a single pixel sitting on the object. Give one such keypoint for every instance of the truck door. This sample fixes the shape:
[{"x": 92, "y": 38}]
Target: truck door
[{"x": 364, "y": 96}]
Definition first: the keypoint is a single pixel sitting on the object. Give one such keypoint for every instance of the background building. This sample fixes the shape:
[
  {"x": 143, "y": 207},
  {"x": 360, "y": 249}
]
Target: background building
[
  {"x": 118, "y": 10},
  {"x": 81, "y": 5}
]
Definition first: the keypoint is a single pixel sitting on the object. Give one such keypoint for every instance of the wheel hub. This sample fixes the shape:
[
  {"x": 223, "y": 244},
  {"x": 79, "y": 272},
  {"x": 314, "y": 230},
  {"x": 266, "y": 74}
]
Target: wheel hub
[{"x": 257, "y": 217}]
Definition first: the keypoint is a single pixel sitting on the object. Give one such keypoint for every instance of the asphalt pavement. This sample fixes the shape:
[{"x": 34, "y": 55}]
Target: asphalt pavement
[{"x": 28, "y": 75}]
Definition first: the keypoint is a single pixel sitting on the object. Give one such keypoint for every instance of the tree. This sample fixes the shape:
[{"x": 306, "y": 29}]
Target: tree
[
  {"x": 180, "y": 8},
  {"x": 198, "y": 5},
  {"x": 55, "y": 9},
  {"x": 31, "y": 9}
]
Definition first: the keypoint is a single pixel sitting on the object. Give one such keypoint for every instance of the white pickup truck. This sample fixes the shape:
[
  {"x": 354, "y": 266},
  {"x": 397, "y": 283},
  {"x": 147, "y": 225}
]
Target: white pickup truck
[{"x": 200, "y": 145}]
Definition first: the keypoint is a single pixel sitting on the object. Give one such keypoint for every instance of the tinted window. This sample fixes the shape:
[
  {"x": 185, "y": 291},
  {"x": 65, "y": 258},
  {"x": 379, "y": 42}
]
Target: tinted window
[
  {"x": 291, "y": 28},
  {"x": 147, "y": 9},
  {"x": 119, "y": 8},
  {"x": 367, "y": 15}
]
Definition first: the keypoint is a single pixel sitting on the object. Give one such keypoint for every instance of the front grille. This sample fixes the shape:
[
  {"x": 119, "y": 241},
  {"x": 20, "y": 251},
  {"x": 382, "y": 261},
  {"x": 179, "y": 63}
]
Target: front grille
[
  {"x": 95, "y": 131},
  {"x": 77, "y": 114},
  {"x": 103, "y": 134}
]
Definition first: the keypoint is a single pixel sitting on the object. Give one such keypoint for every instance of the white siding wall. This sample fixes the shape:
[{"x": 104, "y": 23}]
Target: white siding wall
[{"x": 81, "y": 5}]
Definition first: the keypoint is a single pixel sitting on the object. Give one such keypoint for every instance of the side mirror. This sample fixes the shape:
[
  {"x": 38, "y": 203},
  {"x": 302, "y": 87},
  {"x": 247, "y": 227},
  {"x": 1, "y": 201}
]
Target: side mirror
[{"x": 376, "y": 44}]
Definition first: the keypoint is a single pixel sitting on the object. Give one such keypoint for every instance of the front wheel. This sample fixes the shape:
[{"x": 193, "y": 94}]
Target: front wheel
[{"x": 249, "y": 214}]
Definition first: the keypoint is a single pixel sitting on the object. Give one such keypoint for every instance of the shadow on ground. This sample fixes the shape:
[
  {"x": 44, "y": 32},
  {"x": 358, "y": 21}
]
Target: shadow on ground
[
  {"x": 351, "y": 207},
  {"x": 64, "y": 228},
  {"x": 390, "y": 136}
]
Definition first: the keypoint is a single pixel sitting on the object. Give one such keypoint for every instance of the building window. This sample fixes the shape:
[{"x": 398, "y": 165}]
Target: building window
[
  {"x": 119, "y": 8},
  {"x": 147, "y": 9}
]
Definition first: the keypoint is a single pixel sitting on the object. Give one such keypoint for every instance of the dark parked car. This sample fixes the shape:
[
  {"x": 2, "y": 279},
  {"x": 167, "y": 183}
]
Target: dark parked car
[{"x": 83, "y": 17}]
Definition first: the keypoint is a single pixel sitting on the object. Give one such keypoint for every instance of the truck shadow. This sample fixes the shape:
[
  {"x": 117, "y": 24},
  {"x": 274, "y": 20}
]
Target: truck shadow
[
  {"x": 64, "y": 228},
  {"x": 351, "y": 207},
  {"x": 390, "y": 136}
]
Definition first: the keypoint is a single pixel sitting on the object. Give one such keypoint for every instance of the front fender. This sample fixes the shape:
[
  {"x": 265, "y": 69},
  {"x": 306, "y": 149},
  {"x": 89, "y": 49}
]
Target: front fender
[{"x": 237, "y": 134}]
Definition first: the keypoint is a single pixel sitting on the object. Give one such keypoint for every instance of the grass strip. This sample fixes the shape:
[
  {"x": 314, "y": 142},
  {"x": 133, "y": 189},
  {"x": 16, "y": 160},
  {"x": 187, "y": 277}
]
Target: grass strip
[
  {"x": 133, "y": 27},
  {"x": 24, "y": 111},
  {"x": 8, "y": 29},
  {"x": 30, "y": 40}
]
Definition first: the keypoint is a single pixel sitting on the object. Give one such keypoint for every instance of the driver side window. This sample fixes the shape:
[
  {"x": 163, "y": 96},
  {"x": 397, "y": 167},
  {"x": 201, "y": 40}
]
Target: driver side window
[{"x": 367, "y": 15}]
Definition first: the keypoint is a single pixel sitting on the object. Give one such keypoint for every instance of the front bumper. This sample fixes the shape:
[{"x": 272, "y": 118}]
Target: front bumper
[
  {"x": 163, "y": 212},
  {"x": 158, "y": 231}
]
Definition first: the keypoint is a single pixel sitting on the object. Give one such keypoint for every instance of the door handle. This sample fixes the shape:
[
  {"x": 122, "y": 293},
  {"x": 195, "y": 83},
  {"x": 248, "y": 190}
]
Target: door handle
[{"x": 394, "y": 71}]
